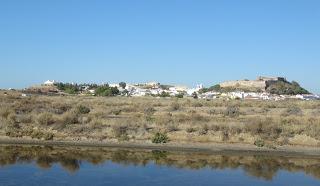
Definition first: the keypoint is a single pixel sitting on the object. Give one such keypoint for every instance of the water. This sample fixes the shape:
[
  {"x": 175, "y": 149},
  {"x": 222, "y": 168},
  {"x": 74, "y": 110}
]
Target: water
[{"x": 37, "y": 165}]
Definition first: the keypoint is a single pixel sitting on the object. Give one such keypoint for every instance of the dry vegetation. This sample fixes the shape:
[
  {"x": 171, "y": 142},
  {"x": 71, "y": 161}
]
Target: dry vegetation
[{"x": 264, "y": 123}]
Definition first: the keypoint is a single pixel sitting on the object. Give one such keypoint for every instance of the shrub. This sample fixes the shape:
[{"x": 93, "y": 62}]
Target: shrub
[
  {"x": 293, "y": 111},
  {"x": 149, "y": 111},
  {"x": 70, "y": 117},
  {"x": 96, "y": 123},
  {"x": 164, "y": 94},
  {"x": 160, "y": 138},
  {"x": 232, "y": 111},
  {"x": 259, "y": 143},
  {"x": 190, "y": 130},
  {"x": 174, "y": 106},
  {"x": 284, "y": 87},
  {"x": 12, "y": 121},
  {"x": 197, "y": 104},
  {"x": 25, "y": 119},
  {"x": 70, "y": 90},
  {"x": 116, "y": 112},
  {"x": 194, "y": 95},
  {"x": 120, "y": 131},
  {"x": 105, "y": 90},
  {"x": 179, "y": 95},
  {"x": 41, "y": 135},
  {"x": 46, "y": 119},
  {"x": 212, "y": 112},
  {"x": 204, "y": 130},
  {"x": 5, "y": 112},
  {"x": 123, "y": 85},
  {"x": 225, "y": 135},
  {"x": 199, "y": 118},
  {"x": 48, "y": 136},
  {"x": 171, "y": 128},
  {"x": 82, "y": 109}
]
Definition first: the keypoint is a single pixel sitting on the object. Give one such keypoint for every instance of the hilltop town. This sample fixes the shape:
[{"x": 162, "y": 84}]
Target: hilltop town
[{"x": 263, "y": 88}]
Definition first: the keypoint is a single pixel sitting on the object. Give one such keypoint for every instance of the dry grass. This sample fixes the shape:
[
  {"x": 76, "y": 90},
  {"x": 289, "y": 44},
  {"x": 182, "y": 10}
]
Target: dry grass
[{"x": 124, "y": 118}]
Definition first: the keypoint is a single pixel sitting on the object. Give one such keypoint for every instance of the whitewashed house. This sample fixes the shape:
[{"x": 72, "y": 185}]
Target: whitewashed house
[
  {"x": 49, "y": 82},
  {"x": 114, "y": 85},
  {"x": 307, "y": 97},
  {"x": 192, "y": 90}
]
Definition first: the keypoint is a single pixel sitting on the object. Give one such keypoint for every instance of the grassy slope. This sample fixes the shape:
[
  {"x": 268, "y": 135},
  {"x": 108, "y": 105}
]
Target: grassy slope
[{"x": 182, "y": 120}]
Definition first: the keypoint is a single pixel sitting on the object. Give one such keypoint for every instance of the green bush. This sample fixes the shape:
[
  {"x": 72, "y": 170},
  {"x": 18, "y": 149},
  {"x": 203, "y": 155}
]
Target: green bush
[
  {"x": 83, "y": 109},
  {"x": 179, "y": 95},
  {"x": 259, "y": 143},
  {"x": 105, "y": 90},
  {"x": 286, "y": 88},
  {"x": 164, "y": 94},
  {"x": 160, "y": 138}
]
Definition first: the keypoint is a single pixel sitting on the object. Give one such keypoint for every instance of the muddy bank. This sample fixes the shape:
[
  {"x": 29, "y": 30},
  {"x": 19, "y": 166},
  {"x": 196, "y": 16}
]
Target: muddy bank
[{"x": 239, "y": 149}]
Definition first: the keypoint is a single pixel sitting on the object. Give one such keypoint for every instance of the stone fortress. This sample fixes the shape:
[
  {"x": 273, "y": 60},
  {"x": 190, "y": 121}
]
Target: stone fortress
[{"x": 260, "y": 84}]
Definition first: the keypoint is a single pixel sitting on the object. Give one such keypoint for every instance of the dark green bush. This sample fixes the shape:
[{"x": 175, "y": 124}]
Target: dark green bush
[
  {"x": 179, "y": 95},
  {"x": 160, "y": 138},
  {"x": 82, "y": 109},
  {"x": 259, "y": 143}
]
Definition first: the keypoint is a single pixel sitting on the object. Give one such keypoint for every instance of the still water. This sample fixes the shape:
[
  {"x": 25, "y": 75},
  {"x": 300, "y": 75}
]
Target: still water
[{"x": 39, "y": 165}]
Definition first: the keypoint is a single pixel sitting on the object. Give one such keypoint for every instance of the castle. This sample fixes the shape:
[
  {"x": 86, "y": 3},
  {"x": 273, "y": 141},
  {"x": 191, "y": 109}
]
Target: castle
[{"x": 260, "y": 84}]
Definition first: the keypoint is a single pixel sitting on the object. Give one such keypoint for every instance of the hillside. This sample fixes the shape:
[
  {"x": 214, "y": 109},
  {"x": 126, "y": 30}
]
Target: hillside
[{"x": 273, "y": 85}]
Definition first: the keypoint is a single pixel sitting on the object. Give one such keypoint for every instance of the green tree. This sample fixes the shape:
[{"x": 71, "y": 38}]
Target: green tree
[
  {"x": 122, "y": 85},
  {"x": 194, "y": 95},
  {"x": 105, "y": 90}
]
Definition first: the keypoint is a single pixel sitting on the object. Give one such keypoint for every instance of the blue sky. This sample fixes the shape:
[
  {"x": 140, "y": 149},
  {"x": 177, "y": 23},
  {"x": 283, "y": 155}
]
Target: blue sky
[{"x": 170, "y": 41}]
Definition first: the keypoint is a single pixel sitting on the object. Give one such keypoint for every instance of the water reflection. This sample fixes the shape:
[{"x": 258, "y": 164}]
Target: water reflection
[{"x": 70, "y": 158}]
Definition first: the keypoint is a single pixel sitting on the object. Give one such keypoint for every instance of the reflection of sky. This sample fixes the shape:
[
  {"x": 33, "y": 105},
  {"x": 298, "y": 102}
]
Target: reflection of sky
[{"x": 115, "y": 174}]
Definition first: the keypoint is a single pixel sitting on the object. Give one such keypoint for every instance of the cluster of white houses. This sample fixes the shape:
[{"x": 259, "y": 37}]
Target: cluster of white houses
[
  {"x": 256, "y": 96},
  {"x": 156, "y": 89}
]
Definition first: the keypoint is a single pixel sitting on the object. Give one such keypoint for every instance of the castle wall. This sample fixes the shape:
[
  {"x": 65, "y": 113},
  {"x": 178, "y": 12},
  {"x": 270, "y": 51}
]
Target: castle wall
[{"x": 245, "y": 84}]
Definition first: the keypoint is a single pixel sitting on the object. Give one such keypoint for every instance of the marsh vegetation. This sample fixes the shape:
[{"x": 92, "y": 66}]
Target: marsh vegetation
[{"x": 161, "y": 120}]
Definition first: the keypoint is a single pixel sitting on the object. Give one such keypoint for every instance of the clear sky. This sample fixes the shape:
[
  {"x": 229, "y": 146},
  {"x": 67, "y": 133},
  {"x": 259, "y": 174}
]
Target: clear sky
[{"x": 170, "y": 41}]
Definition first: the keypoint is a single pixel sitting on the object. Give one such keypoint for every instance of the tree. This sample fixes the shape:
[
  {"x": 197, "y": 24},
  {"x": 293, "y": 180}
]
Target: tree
[
  {"x": 105, "y": 90},
  {"x": 122, "y": 85},
  {"x": 164, "y": 94},
  {"x": 286, "y": 88},
  {"x": 180, "y": 95},
  {"x": 125, "y": 93},
  {"x": 194, "y": 95}
]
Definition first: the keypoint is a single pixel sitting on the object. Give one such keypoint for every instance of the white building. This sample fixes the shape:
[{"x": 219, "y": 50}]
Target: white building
[
  {"x": 49, "y": 82},
  {"x": 114, "y": 85},
  {"x": 307, "y": 97},
  {"x": 192, "y": 90}
]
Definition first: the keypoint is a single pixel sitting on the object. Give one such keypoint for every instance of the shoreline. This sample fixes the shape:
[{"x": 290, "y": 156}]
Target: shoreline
[{"x": 210, "y": 148}]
